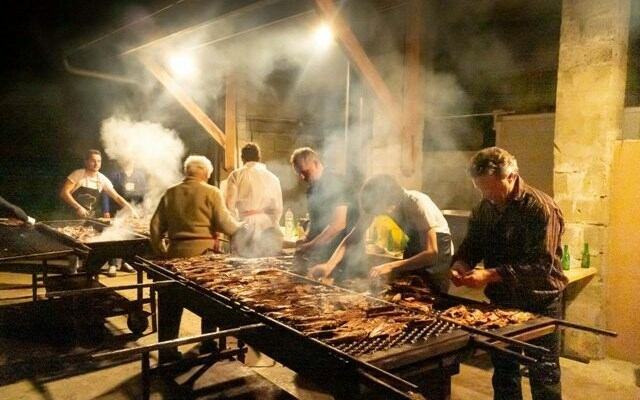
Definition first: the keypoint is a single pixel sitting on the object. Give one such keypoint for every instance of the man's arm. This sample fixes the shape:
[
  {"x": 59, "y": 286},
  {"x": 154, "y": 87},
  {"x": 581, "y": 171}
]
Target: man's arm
[
  {"x": 427, "y": 257},
  {"x": 158, "y": 227},
  {"x": 13, "y": 210},
  {"x": 119, "y": 199},
  {"x": 338, "y": 224},
  {"x": 65, "y": 195},
  {"x": 222, "y": 218},
  {"x": 231, "y": 194},
  {"x": 324, "y": 270}
]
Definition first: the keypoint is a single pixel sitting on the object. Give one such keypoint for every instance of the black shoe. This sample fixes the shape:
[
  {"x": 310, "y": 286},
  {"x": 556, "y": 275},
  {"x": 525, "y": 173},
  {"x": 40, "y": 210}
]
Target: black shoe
[
  {"x": 169, "y": 356},
  {"x": 208, "y": 347}
]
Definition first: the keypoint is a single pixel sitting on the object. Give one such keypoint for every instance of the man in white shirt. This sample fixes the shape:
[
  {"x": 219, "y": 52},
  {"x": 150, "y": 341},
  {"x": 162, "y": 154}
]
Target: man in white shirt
[
  {"x": 82, "y": 191},
  {"x": 254, "y": 195},
  {"x": 82, "y": 188},
  {"x": 429, "y": 250}
]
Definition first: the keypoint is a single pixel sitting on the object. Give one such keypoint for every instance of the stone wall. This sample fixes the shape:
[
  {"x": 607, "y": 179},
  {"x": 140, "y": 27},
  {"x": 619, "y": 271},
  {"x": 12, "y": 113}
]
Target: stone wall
[{"x": 589, "y": 109}]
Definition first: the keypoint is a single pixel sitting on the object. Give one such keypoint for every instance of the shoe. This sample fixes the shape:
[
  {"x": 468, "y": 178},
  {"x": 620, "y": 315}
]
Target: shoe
[
  {"x": 125, "y": 267},
  {"x": 111, "y": 272},
  {"x": 208, "y": 347},
  {"x": 169, "y": 355}
]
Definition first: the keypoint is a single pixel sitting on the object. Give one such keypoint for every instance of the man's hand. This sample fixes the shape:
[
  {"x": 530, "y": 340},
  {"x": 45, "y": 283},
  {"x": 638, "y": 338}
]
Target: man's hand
[
  {"x": 480, "y": 277},
  {"x": 380, "y": 270},
  {"x": 458, "y": 271},
  {"x": 82, "y": 212},
  {"x": 319, "y": 272}
]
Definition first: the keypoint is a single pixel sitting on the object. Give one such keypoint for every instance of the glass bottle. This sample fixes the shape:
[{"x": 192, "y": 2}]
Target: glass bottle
[
  {"x": 586, "y": 257},
  {"x": 289, "y": 227},
  {"x": 566, "y": 258},
  {"x": 390, "y": 242}
]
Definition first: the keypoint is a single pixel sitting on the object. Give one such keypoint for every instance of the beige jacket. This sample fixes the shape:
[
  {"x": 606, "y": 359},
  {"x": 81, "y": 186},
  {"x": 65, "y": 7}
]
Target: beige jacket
[{"x": 189, "y": 214}]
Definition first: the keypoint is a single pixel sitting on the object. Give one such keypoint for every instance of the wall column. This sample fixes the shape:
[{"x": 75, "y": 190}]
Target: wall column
[{"x": 589, "y": 107}]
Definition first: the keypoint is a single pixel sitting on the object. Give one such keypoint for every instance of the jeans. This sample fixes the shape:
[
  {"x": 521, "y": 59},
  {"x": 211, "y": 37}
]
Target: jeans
[{"x": 544, "y": 376}]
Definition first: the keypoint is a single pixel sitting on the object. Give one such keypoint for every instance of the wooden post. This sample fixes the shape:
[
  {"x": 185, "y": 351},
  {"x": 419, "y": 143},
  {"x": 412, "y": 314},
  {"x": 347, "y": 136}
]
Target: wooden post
[
  {"x": 413, "y": 116},
  {"x": 230, "y": 125}
]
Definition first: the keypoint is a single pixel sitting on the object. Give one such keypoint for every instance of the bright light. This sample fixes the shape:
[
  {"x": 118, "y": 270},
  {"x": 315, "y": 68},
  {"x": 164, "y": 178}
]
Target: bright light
[
  {"x": 182, "y": 65},
  {"x": 323, "y": 36}
]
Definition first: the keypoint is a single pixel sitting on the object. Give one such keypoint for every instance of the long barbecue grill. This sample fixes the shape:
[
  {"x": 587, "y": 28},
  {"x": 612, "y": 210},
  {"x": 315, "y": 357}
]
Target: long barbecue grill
[{"x": 328, "y": 333}]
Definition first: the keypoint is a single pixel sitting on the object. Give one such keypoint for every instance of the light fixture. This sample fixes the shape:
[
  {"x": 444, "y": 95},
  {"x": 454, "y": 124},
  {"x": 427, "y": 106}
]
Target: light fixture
[
  {"x": 182, "y": 65},
  {"x": 323, "y": 36}
]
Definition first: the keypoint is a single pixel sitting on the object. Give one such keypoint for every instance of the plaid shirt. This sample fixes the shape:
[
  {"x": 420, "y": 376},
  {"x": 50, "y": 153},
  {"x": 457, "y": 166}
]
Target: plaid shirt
[{"x": 522, "y": 242}]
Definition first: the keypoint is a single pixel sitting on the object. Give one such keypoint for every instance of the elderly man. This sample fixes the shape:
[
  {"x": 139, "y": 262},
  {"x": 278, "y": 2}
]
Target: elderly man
[
  {"x": 189, "y": 214},
  {"x": 515, "y": 231},
  {"x": 428, "y": 252},
  {"x": 254, "y": 193},
  {"x": 332, "y": 210}
]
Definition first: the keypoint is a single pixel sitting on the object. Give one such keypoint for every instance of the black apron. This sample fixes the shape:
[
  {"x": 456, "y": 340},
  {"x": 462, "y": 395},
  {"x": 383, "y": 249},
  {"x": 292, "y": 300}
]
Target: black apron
[{"x": 89, "y": 199}]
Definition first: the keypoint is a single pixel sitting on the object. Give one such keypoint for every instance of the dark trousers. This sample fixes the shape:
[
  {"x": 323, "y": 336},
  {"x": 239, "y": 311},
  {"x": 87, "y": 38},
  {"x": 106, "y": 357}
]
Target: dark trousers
[
  {"x": 169, "y": 317},
  {"x": 544, "y": 376}
]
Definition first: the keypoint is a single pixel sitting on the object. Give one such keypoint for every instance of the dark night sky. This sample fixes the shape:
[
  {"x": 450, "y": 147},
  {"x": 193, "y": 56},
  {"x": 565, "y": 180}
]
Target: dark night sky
[{"x": 49, "y": 116}]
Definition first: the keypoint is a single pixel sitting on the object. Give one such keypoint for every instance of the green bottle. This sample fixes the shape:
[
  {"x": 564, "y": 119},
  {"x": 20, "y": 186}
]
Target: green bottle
[
  {"x": 566, "y": 258},
  {"x": 586, "y": 258},
  {"x": 390, "y": 241}
]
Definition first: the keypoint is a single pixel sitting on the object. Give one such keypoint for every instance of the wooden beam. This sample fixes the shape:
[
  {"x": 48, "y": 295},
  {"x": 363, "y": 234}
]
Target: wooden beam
[
  {"x": 357, "y": 55},
  {"x": 184, "y": 99},
  {"x": 230, "y": 125},
  {"x": 413, "y": 117}
]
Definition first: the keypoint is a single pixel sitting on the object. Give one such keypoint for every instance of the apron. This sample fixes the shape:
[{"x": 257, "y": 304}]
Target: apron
[{"x": 89, "y": 199}]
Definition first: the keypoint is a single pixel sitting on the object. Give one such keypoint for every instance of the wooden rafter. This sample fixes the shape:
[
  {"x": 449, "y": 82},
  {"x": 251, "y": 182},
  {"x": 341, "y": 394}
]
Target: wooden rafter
[
  {"x": 357, "y": 55},
  {"x": 184, "y": 99}
]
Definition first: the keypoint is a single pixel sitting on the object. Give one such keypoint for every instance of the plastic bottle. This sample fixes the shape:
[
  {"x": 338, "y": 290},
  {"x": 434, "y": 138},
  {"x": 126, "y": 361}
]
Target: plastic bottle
[
  {"x": 566, "y": 258},
  {"x": 586, "y": 257},
  {"x": 289, "y": 227}
]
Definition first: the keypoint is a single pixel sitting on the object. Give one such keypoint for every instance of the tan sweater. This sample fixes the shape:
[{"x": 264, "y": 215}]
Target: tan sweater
[{"x": 189, "y": 214}]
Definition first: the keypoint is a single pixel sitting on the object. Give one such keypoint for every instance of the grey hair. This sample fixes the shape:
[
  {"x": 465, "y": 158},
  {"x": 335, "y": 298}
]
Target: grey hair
[
  {"x": 492, "y": 161},
  {"x": 303, "y": 154},
  {"x": 193, "y": 163}
]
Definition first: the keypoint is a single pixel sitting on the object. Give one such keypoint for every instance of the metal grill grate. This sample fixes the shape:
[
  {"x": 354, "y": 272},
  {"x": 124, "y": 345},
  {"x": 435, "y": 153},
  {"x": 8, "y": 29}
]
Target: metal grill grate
[{"x": 409, "y": 336}]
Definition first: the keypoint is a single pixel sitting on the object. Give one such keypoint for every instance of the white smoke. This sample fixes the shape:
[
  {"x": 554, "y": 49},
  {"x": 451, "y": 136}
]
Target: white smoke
[{"x": 152, "y": 148}]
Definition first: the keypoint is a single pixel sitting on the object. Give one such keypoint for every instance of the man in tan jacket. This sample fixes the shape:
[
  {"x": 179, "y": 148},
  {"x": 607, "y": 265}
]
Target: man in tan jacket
[{"x": 189, "y": 215}]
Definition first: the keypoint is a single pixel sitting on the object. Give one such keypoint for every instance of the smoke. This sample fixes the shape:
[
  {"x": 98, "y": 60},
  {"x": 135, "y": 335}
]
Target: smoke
[{"x": 150, "y": 147}]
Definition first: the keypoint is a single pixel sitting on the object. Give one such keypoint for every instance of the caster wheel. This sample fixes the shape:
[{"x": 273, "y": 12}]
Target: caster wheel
[{"x": 137, "y": 322}]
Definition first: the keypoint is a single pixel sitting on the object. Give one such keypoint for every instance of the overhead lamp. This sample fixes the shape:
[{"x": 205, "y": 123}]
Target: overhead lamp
[
  {"x": 182, "y": 65},
  {"x": 323, "y": 36}
]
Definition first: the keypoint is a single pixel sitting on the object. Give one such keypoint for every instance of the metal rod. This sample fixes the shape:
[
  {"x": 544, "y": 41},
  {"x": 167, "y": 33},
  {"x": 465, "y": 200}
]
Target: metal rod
[
  {"x": 363, "y": 364},
  {"x": 524, "y": 359},
  {"x": 585, "y": 328},
  {"x": 411, "y": 395},
  {"x": 89, "y": 291},
  {"x": 174, "y": 343},
  {"x": 495, "y": 336}
]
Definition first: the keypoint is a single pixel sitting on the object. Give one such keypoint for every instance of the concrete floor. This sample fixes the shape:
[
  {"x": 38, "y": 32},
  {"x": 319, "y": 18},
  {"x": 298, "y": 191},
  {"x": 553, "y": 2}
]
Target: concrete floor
[{"x": 55, "y": 377}]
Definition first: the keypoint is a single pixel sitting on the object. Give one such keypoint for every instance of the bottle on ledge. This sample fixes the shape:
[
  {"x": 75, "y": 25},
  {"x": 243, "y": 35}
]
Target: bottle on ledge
[
  {"x": 586, "y": 258},
  {"x": 566, "y": 258}
]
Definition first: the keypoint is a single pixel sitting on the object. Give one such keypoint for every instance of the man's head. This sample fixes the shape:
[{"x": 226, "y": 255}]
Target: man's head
[
  {"x": 380, "y": 194},
  {"x": 250, "y": 152},
  {"x": 198, "y": 167},
  {"x": 93, "y": 160},
  {"x": 494, "y": 172},
  {"x": 307, "y": 164}
]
